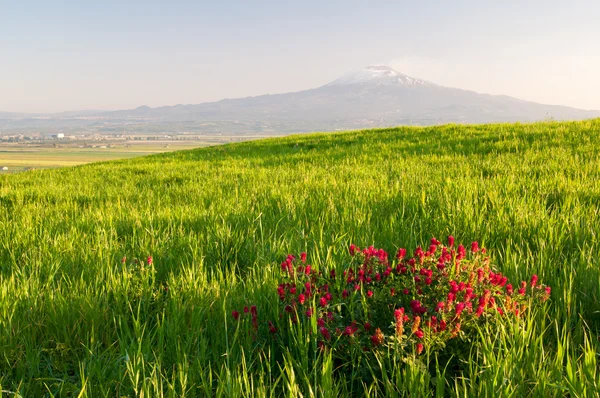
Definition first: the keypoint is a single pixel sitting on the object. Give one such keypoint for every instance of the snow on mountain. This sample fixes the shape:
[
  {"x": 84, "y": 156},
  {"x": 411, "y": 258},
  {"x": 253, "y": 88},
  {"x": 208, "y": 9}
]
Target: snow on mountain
[{"x": 379, "y": 75}]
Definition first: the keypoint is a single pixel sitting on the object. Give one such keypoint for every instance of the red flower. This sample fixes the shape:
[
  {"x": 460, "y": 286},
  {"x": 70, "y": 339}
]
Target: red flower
[
  {"x": 534, "y": 279},
  {"x": 350, "y": 330},
  {"x": 378, "y": 338},
  {"x": 399, "y": 317},
  {"x": 475, "y": 247},
  {"x": 307, "y": 288},
  {"x": 480, "y": 310},
  {"x": 459, "y": 309},
  {"x": 303, "y": 257},
  {"x": 325, "y": 333},
  {"x": 370, "y": 293},
  {"x": 443, "y": 325},
  {"x": 417, "y": 307},
  {"x": 462, "y": 252},
  {"x": 345, "y": 293},
  {"x": 149, "y": 260},
  {"x": 399, "y": 313},
  {"x": 432, "y": 249},
  {"x": 523, "y": 287},
  {"x": 419, "y": 348},
  {"x": 323, "y": 301},
  {"x": 419, "y": 334},
  {"x": 450, "y": 241},
  {"x": 301, "y": 298},
  {"x": 353, "y": 249},
  {"x": 286, "y": 266},
  {"x": 235, "y": 315},
  {"x": 509, "y": 289},
  {"x": 480, "y": 275},
  {"x": 401, "y": 253},
  {"x": 419, "y": 252},
  {"x": 548, "y": 290}
]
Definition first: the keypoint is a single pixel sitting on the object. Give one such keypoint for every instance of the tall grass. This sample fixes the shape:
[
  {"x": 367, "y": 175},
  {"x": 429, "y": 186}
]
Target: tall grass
[{"x": 75, "y": 320}]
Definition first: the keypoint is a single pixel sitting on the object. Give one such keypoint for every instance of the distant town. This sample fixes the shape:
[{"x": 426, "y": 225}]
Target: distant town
[{"x": 95, "y": 139}]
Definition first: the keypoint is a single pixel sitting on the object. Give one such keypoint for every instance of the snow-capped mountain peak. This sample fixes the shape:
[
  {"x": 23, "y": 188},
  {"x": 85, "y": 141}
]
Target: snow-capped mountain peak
[{"x": 380, "y": 75}]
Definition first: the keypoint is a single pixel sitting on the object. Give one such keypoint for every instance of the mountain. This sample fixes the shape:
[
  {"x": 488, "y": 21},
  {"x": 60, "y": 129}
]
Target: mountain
[{"x": 375, "y": 96}]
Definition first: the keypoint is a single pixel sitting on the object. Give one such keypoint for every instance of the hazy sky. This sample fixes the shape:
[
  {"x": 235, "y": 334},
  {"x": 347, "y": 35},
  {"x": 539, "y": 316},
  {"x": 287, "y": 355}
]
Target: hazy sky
[{"x": 68, "y": 55}]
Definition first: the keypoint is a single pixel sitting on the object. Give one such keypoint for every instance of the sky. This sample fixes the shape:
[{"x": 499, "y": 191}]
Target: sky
[{"x": 83, "y": 55}]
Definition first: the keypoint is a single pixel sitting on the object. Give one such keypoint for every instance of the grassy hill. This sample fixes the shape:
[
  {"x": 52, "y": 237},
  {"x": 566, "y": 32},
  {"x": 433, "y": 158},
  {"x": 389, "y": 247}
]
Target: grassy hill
[{"x": 218, "y": 222}]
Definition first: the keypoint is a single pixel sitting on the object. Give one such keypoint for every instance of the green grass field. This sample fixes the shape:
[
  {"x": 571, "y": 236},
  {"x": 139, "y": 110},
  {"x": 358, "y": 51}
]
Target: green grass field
[{"x": 218, "y": 222}]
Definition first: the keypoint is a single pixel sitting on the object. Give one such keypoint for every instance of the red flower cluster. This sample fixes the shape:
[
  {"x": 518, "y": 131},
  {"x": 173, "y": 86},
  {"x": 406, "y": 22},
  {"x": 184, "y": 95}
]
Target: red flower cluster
[{"x": 446, "y": 292}]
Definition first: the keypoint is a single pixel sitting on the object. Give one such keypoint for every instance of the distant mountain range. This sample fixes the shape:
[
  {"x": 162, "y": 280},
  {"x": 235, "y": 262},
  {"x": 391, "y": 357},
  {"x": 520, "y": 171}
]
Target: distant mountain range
[{"x": 375, "y": 96}]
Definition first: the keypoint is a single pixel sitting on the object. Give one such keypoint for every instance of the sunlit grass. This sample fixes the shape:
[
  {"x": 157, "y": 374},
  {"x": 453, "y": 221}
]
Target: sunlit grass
[{"x": 218, "y": 221}]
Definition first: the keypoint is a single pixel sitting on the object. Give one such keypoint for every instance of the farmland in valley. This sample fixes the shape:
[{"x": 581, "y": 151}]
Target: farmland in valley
[
  {"x": 85, "y": 311},
  {"x": 21, "y": 156}
]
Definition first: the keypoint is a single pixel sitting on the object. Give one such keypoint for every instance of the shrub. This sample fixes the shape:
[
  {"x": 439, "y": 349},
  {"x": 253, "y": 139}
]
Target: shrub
[{"x": 408, "y": 305}]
